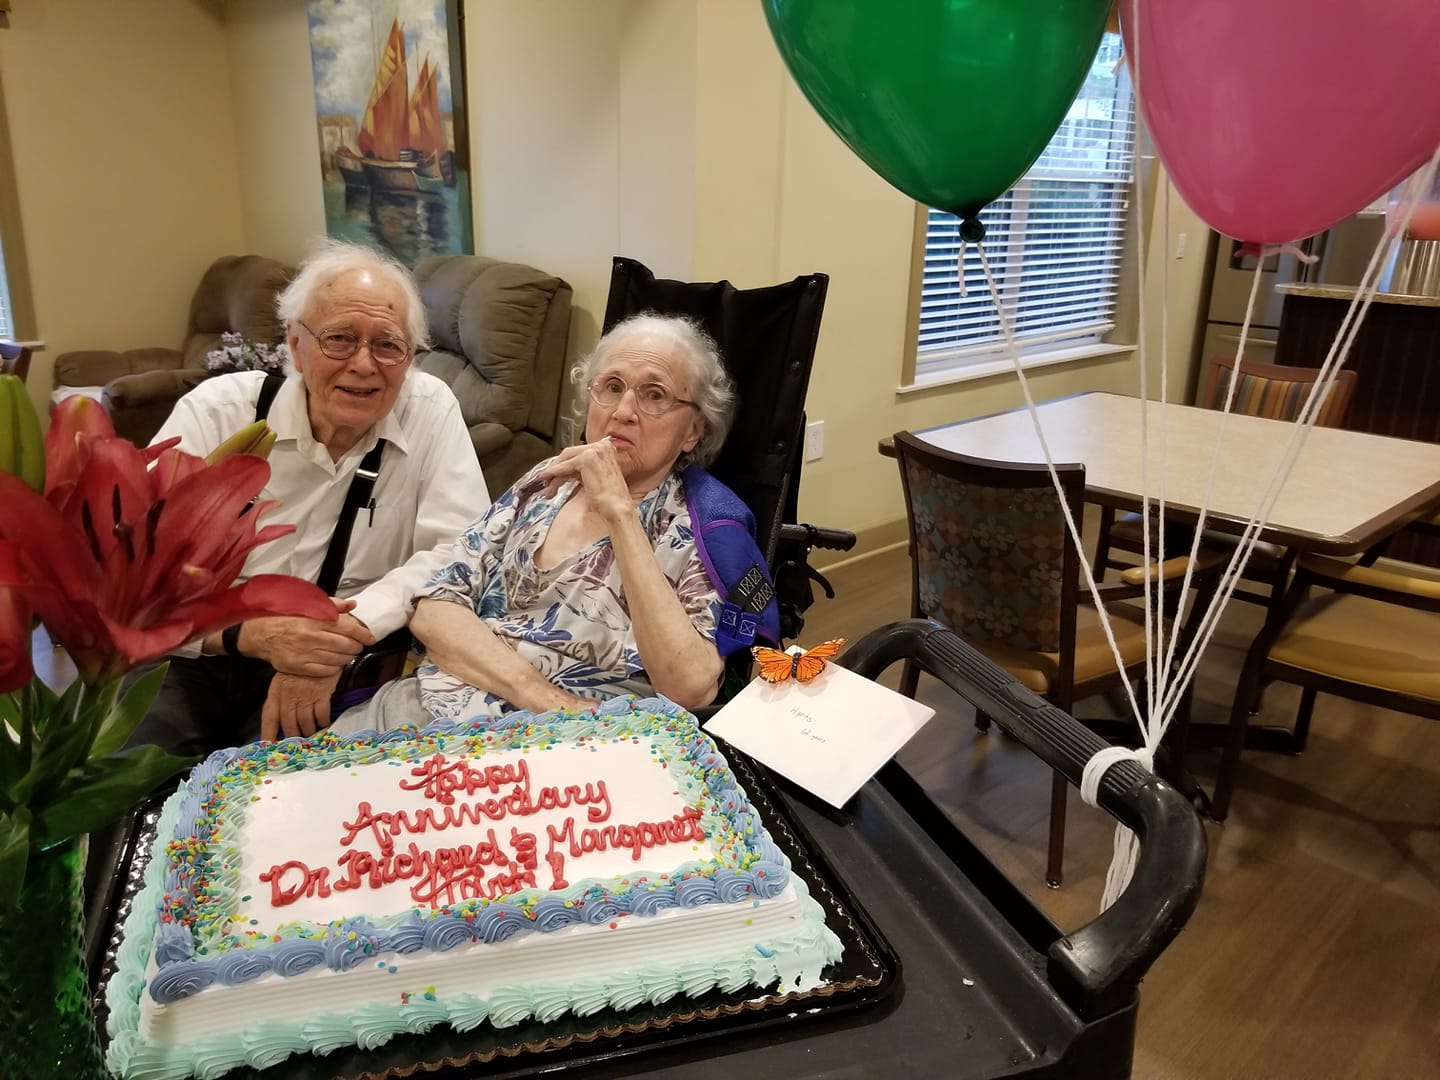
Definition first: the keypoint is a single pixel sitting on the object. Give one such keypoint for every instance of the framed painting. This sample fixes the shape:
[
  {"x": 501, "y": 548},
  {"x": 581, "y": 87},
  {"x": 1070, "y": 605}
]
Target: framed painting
[{"x": 390, "y": 117}]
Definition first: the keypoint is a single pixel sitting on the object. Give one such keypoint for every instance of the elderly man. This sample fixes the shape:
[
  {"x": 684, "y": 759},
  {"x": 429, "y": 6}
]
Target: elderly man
[{"x": 353, "y": 321}]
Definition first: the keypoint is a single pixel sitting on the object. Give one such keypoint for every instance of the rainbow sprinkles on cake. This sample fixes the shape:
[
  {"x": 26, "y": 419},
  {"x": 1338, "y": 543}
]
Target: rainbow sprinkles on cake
[{"x": 313, "y": 894}]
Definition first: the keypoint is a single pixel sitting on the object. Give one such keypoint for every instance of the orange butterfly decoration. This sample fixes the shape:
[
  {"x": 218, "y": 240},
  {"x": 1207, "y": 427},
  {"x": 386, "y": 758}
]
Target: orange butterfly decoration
[{"x": 777, "y": 666}]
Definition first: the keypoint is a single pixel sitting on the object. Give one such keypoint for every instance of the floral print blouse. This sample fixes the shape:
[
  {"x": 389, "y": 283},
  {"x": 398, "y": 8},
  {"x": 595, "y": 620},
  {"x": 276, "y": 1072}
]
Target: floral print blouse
[{"x": 570, "y": 621}]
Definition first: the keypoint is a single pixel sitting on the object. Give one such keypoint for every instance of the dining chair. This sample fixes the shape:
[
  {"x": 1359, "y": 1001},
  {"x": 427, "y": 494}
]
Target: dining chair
[
  {"x": 992, "y": 560},
  {"x": 14, "y": 359},
  {"x": 1372, "y": 635},
  {"x": 1271, "y": 391}
]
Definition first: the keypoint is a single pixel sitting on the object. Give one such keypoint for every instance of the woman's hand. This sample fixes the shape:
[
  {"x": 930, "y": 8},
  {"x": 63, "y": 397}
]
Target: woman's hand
[
  {"x": 560, "y": 699},
  {"x": 597, "y": 468}
]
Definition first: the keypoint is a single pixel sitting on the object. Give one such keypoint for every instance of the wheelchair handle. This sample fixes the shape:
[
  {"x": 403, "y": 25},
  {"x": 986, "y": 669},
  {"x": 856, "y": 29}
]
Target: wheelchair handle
[{"x": 816, "y": 536}]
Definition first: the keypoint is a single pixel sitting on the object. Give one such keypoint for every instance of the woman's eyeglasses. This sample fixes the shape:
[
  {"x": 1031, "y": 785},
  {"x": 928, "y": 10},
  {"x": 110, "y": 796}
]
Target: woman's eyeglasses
[
  {"x": 651, "y": 398},
  {"x": 342, "y": 344}
]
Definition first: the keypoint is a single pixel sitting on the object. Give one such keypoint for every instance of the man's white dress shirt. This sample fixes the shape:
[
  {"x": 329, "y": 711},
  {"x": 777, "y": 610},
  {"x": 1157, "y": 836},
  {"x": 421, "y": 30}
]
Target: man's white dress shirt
[{"x": 430, "y": 487}]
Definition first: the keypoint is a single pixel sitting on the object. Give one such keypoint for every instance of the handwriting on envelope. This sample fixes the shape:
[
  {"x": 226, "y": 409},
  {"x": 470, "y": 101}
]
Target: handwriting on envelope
[{"x": 829, "y": 735}]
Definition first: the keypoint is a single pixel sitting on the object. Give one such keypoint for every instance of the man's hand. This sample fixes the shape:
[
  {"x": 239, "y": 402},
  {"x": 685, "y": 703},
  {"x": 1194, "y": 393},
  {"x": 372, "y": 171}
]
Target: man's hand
[
  {"x": 305, "y": 646},
  {"x": 296, "y": 705}
]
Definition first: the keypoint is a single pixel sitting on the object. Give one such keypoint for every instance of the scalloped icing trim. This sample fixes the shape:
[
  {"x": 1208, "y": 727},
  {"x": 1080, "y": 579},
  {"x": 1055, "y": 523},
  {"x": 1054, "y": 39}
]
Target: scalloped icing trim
[{"x": 792, "y": 966}]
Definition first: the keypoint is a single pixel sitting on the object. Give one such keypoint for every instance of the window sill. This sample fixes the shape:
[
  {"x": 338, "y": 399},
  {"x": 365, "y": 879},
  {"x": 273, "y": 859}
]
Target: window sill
[{"x": 985, "y": 369}]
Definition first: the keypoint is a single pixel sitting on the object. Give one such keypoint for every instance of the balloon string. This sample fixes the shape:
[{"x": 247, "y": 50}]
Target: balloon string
[
  {"x": 960, "y": 267},
  {"x": 1126, "y": 843},
  {"x": 1334, "y": 361},
  {"x": 1141, "y": 352},
  {"x": 1012, "y": 350}
]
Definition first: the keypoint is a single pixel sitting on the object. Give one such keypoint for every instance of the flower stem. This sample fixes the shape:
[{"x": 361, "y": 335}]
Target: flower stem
[
  {"x": 28, "y": 706},
  {"x": 96, "y": 701}
]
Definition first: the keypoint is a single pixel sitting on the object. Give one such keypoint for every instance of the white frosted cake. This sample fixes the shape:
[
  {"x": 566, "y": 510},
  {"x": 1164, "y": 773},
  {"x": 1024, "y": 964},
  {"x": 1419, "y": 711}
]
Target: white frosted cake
[{"x": 313, "y": 894}]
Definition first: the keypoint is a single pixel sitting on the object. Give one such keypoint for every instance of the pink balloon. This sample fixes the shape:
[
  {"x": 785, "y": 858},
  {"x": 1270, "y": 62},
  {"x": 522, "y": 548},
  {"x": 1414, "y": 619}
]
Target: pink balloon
[{"x": 1278, "y": 118}]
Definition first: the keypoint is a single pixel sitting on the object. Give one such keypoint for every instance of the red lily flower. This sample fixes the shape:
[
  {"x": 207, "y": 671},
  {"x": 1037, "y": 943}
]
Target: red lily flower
[
  {"x": 15, "y": 667},
  {"x": 74, "y": 424},
  {"x": 123, "y": 563}
]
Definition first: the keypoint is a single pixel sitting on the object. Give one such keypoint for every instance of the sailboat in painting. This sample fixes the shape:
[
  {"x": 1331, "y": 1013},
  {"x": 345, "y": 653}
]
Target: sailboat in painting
[{"x": 402, "y": 137}]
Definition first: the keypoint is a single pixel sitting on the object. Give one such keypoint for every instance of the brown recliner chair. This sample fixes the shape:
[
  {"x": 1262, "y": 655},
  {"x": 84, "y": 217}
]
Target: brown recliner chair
[
  {"x": 236, "y": 295},
  {"x": 498, "y": 334}
]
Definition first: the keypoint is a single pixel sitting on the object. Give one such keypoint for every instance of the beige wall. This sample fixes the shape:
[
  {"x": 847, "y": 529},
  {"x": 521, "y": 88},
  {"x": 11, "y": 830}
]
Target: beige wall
[
  {"x": 543, "y": 89},
  {"x": 125, "y": 162},
  {"x": 667, "y": 130},
  {"x": 691, "y": 149},
  {"x": 272, "y": 92}
]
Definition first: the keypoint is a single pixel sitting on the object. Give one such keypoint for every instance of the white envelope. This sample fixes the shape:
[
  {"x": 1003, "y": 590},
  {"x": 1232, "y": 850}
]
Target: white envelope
[{"x": 829, "y": 735}]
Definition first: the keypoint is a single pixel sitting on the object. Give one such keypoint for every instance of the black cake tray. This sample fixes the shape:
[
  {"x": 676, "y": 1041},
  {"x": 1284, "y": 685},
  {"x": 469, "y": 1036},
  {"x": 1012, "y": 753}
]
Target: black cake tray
[
  {"x": 864, "y": 975},
  {"x": 950, "y": 970}
]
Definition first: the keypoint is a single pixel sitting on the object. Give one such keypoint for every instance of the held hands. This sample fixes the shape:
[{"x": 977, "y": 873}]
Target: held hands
[
  {"x": 597, "y": 467},
  {"x": 306, "y": 647}
]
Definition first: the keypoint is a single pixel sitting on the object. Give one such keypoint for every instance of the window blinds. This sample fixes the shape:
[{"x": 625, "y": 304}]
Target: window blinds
[
  {"x": 7, "y": 326},
  {"x": 1054, "y": 241}
]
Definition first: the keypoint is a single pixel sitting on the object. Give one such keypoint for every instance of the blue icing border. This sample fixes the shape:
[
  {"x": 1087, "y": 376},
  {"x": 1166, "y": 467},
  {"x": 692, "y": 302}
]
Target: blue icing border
[{"x": 189, "y": 960}]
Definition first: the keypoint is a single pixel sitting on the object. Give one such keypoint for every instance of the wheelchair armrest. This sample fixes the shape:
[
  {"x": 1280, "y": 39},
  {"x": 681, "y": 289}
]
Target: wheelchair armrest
[
  {"x": 1102, "y": 961},
  {"x": 377, "y": 664}
]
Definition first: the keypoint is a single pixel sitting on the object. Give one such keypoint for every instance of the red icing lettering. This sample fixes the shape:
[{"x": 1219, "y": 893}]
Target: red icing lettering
[
  {"x": 557, "y": 868},
  {"x": 441, "y": 876},
  {"x": 634, "y": 838},
  {"x": 438, "y": 779},
  {"x": 303, "y": 881},
  {"x": 483, "y": 868}
]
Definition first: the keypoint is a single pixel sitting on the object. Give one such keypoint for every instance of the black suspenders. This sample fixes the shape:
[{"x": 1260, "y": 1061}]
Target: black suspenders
[{"x": 361, "y": 485}]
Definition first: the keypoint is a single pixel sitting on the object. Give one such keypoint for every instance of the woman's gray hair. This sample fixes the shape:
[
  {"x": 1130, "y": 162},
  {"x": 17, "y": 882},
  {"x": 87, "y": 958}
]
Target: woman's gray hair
[
  {"x": 710, "y": 387},
  {"x": 336, "y": 258}
]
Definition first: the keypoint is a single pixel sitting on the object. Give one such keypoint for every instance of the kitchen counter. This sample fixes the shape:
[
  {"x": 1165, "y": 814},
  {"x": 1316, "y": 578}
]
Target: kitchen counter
[
  {"x": 1347, "y": 292},
  {"x": 1394, "y": 356}
]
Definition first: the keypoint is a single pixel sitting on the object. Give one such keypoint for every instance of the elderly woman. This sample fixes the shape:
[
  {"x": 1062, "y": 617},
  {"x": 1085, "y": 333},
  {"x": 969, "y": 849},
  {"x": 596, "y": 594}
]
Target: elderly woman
[
  {"x": 585, "y": 579},
  {"x": 353, "y": 320}
]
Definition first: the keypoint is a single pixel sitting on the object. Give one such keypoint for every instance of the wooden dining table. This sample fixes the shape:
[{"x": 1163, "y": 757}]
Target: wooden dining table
[{"x": 1347, "y": 491}]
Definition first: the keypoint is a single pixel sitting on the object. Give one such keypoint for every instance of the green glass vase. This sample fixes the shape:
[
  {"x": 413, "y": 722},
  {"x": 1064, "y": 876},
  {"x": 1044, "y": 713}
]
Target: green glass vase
[{"x": 47, "y": 1026}]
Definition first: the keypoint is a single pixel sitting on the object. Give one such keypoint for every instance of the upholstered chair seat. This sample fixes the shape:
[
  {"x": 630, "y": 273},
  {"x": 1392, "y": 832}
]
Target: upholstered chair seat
[
  {"x": 1041, "y": 671},
  {"x": 139, "y": 387},
  {"x": 1364, "y": 633}
]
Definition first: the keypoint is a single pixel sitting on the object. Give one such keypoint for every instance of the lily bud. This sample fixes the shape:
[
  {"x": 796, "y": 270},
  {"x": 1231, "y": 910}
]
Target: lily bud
[
  {"x": 256, "y": 439},
  {"x": 22, "y": 449}
]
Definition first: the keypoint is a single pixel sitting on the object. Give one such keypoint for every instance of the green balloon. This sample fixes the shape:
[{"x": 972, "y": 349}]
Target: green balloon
[{"x": 949, "y": 100}]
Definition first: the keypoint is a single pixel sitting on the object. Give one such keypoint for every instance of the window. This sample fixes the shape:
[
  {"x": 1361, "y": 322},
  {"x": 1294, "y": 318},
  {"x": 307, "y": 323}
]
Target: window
[
  {"x": 1054, "y": 241},
  {"x": 7, "y": 324}
]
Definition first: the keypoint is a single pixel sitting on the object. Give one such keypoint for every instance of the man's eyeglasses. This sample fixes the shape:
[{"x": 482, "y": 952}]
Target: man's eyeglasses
[
  {"x": 342, "y": 344},
  {"x": 651, "y": 398}
]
